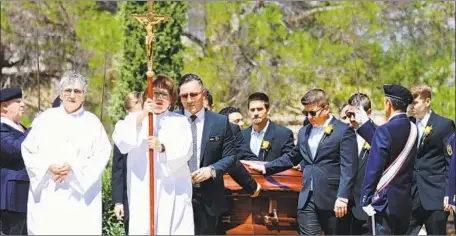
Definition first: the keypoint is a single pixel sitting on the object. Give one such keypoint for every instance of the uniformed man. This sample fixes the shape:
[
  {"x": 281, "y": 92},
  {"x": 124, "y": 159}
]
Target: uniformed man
[
  {"x": 386, "y": 190},
  {"x": 14, "y": 181}
]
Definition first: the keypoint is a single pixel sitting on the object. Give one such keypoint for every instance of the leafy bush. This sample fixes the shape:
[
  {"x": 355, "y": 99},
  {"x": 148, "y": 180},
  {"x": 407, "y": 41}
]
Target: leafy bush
[{"x": 111, "y": 226}]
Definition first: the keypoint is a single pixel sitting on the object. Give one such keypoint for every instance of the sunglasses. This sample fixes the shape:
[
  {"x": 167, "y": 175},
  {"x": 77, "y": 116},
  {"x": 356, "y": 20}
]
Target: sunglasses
[
  {"x": 311, "y": 113},
  {"x": 192, "y": 95},
  {"x": 69, "y": 91},
  {"x": 349, "y": 114}
]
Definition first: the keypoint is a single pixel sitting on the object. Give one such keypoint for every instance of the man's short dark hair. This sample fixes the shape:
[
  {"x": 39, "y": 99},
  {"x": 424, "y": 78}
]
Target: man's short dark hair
[
  {"x": 315, "y": 96},
  {"x": 360, "y": 99},
  {"x": 398, "y": 105},
  {"x": 190, "y": 77},
  {"x": 342, "y": 107},
  {"x": 228, "y": 110},
  {"x": 258, "y": 96},
  {"x": 209, "y": 98}
]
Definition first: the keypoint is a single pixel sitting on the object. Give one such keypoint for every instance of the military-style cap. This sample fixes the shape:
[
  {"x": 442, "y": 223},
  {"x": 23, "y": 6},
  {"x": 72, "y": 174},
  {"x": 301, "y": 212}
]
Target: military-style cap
[
  {"x": 398, "y": 92},
  {"x": 7, "y": 94}
]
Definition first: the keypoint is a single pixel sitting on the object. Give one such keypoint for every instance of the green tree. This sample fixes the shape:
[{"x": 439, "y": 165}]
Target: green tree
[
  {"x": 167, "y": 51},
  {"x": 288, "y": 48}
]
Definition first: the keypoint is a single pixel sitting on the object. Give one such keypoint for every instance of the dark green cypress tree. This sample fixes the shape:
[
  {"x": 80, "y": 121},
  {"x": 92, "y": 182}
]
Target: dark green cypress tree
[{"x": 168, "y": 50}]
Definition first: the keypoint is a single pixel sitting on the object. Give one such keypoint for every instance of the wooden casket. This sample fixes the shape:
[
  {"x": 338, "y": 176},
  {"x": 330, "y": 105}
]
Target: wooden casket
[{"x": 272, "y": 212}]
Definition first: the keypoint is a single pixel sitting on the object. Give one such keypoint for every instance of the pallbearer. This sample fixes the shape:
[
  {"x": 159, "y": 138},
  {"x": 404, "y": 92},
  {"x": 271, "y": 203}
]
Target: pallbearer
[{"x": 429, "y": 187}]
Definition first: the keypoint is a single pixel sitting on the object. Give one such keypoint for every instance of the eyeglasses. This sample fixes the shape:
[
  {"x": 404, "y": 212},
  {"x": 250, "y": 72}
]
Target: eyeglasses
[
  {"x": 157, "y": 94},
  {"x": 192, "y": 95},
  {"x": 69, "y": 91},
  {"x": 311, "y": 113}
]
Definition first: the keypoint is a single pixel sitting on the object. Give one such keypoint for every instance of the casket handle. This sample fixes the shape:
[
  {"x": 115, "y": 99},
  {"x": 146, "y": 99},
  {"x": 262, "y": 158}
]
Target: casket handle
[
  {"x": 271, "y": 218},
  {"x": 226, "y": 219}
]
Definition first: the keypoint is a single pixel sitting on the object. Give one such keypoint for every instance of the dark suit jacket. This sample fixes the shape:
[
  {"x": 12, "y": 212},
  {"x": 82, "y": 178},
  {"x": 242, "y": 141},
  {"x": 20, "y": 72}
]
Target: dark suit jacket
[
  {"x": 430, "y": 176},
  {"x": 218, "y": 148},
  {"x": 451, "y": 150},
  {"x": 387, "y": 143},
  {"x": 332, "y": 170},
  {"x": 280, "y": 138},
  {"x": 357, "y": 210},
  {"x": 14, "y": 180},
  {"x": 119, "y": 180},
  {"x": 238, "y": 172}
]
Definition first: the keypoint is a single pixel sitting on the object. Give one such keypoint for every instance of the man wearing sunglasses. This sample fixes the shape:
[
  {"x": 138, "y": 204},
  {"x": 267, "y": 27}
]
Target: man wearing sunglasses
[
  {"x": 266, "y": 139},
  {"x": 214, "y": 148},
  {"x": 328, "y": 150}
]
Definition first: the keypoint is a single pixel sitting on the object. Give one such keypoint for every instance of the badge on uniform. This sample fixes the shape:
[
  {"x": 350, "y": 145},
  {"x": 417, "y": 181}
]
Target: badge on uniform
[
  {"x": 449, "y": 150},
  {"x": 214, "y": 139}
]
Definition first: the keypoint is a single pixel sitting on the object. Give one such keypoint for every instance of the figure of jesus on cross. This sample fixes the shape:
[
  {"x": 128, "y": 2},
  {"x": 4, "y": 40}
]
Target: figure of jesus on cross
[{"x": 150, "y": 20}]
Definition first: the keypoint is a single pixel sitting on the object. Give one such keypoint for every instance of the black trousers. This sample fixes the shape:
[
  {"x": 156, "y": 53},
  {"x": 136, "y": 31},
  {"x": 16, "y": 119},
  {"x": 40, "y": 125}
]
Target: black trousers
[
  {"x": 313, "y": 220},
  {"x": 386, "y": 224},
  {"x": 13, "y": 223},
  {"x": 360, "y": 227},
  {"x": 435, "y": 221},
  {"x": 126, "y": 225},
  {"x": 205, "y": 224}
]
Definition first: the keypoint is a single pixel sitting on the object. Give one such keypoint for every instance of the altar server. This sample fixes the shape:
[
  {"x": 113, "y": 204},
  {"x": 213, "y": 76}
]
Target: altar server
[{"x": 65, "y": 155}]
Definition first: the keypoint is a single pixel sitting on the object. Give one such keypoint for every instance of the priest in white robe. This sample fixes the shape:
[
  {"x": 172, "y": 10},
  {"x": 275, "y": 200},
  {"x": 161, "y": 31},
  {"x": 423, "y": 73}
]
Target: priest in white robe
[
  {"x": 172, "y": 145},
  {"x": 65, "y": 155}
]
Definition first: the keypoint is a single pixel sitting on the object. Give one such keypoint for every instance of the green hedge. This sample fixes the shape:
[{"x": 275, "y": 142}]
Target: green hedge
[{"x": 111, "y": 226}]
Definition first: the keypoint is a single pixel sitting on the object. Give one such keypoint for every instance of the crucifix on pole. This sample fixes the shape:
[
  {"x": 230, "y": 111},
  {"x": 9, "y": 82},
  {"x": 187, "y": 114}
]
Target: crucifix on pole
[{"x": 150, "y": 19}]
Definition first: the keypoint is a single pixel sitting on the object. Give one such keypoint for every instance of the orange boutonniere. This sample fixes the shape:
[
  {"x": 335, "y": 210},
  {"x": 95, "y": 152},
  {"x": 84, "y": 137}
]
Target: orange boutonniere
[
  {"x": 367, "y": 146},
  {"x": 265, "y": 145},
  {"x": 329, "y": 129}
]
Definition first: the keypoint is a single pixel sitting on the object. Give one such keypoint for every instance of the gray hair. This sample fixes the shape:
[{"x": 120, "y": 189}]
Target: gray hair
[{"x": 72, "y": 77}]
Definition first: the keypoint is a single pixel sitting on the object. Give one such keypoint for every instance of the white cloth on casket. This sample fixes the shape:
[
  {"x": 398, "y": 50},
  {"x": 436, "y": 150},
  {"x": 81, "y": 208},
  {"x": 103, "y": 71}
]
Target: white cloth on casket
[
  {"x": 173, "y": 186},
  {"x": 74, "y": 206}
]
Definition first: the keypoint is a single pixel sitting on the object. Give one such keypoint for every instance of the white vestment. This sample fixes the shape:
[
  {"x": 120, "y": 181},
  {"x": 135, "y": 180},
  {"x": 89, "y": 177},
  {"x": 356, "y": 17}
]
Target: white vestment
[
  {"x": 74, "y": 206},
  {"x": 173, "y": 186}
]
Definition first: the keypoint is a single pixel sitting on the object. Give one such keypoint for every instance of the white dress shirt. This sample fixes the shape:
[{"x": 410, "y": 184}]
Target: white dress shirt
[
  {"x": 199, "y": 130},
  {"x": 257, "y": 138},
  {"x": 421, "y": 124},
  {"x": 315, "y": 136},
  {"x": 360, "y": 142}
]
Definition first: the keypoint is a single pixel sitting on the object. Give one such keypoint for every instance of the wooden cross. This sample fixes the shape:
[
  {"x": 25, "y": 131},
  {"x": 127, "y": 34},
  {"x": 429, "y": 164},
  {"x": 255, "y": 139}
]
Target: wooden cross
[{"x": 150, "y": 20}]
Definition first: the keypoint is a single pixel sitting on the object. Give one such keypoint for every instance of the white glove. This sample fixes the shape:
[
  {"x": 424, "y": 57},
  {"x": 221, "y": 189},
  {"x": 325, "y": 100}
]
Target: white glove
[
  {"x": 119, "y": 211},
  {"x": 370, "y": 211},
  {"x": 361, "y": 115}
]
